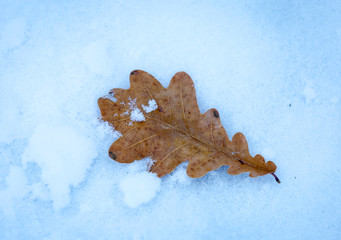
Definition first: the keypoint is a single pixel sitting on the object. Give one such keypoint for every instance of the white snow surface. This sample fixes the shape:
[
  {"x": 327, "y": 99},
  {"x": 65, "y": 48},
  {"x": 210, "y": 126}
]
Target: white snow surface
[{"x": 272, "y": 69}]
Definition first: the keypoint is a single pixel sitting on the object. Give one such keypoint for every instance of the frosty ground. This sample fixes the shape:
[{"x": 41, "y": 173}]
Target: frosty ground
[{"x": 271, "y": 69}]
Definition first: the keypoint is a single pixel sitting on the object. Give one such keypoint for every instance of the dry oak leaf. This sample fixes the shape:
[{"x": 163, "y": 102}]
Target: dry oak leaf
[{"x": 175, "y": 131}]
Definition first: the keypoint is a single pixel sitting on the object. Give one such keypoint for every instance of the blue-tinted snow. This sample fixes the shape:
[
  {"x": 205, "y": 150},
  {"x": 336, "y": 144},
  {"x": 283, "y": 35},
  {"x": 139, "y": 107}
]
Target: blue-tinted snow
[{"x": 273, "y": 70}]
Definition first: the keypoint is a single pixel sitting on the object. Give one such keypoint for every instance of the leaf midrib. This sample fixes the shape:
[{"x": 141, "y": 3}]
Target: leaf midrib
[{"x": 207, "y": 144}]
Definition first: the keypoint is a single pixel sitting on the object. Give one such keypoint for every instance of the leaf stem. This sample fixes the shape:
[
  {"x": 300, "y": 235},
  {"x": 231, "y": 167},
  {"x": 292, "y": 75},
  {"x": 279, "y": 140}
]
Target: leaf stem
[{"x": 276, "y": 178}]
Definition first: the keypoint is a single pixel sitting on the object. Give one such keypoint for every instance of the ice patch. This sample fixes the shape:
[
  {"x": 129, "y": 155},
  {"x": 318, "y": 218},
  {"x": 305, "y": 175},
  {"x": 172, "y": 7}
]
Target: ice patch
[
  {"x": 64, "y": 155},
  {"x": 139, "y": 188},
  {"x": 152, "y": 105}
]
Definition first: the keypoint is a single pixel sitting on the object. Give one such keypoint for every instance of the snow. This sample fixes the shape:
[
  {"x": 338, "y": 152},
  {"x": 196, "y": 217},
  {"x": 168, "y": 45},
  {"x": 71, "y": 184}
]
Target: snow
[
  {"x": 139, "y": 188},
  {"x": 96, "y": 58},
  {"x": 309, "y": 93},
  {"x": 152, "y": 105},
  {"x": 13, "y": 33},
  {"x": 272, "y": 69},
  {"x": 55, "y": 147},
  {"x": 136, "y": 115}
]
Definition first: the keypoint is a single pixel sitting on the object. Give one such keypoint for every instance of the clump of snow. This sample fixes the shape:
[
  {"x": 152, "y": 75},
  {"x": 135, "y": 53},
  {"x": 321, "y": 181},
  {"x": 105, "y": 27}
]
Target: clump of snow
[
  {"x": 138, "y": 185},
  {"x": 136, "y": 115},
  {"x": 152, "y": 105},
  {"x": 64, "y": 155},
  {"x": 139, "y": 188}
]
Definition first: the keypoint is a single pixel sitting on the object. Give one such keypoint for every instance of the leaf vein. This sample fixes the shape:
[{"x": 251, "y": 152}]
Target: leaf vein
[
  {"x": 159, "y": 162},
  {"x": 140, "y": 141}
]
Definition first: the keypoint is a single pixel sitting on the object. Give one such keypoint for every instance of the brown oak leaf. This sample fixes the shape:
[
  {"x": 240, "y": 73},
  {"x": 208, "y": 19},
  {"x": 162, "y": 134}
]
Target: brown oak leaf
[{"x": 166, "y": 125}]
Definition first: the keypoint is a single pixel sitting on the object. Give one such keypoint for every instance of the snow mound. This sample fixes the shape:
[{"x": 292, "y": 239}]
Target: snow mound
[
  {"x": 139, "y": 188},
  {"x": 64, "y": 155}
]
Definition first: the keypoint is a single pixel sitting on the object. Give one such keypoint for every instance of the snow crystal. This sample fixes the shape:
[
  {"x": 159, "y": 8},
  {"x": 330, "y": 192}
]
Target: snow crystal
[
  {"x": 152, "y": 105},
  {"x": 139, "y": 188}
]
